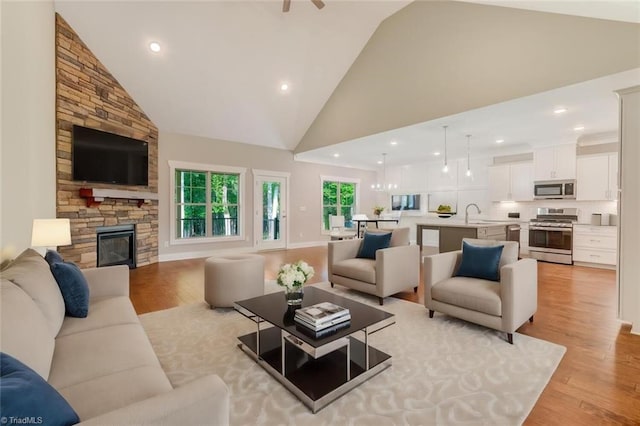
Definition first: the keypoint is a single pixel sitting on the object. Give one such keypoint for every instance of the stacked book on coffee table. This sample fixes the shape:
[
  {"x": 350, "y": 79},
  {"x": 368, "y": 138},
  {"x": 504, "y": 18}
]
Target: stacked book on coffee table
[{"x": 322, "y": 319}]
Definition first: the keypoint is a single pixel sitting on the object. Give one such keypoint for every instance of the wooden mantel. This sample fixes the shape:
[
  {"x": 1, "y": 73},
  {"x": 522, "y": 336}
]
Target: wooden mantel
[{"x": 95, "y": 196}]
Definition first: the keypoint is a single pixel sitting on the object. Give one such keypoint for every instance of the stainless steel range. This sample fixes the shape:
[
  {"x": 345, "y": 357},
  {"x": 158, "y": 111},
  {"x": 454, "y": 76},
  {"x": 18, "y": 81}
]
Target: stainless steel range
[{"x": 551, "y": 235}]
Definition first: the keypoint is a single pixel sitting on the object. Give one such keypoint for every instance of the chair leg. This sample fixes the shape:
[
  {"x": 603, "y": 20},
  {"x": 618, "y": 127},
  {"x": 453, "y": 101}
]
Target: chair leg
[
  {"x": 331, "y": 285},
  {"x": 381, "y": 300},
  {"x": 510, "y": 338},
  {"x": 531, "y": 319},
  {"x": 431, "y": 313},
  {"x": 415, "y": 289}
]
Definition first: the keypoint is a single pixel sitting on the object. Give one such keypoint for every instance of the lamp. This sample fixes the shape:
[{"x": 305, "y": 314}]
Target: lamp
[
  {"x": 50, "y": 233},
  {"x": 384, "y": 186},
  {"x": 468, "y": 156},
  {"x": 445, "y": 169}
]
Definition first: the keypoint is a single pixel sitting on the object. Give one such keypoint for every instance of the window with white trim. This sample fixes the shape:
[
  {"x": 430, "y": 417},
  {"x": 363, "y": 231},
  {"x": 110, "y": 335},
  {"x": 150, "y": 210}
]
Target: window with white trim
[
  {"x": 339, "y": 197},
  {"x": 206, "y": 202}
]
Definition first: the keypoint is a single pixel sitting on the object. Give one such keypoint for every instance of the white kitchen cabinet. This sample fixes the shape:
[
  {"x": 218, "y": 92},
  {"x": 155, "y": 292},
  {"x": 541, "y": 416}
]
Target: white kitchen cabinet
[
  {"x": 555, "y": 163},
  {"x": 437, "y": 180},
  {"x": 414, "y": 177},
  {"x": 479, "y": 178},
  {"x": 511, "y": 182},
  {"x": 595, "y": 245},
  {"x": 597, "y": 177}
]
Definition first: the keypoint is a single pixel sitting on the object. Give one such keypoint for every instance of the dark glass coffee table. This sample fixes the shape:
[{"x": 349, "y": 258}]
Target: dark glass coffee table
[{"x": 317, "y": 371}]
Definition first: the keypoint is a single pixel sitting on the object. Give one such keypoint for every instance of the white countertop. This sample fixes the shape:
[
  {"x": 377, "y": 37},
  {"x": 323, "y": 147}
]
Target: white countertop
[{"x": 457, "y": 223}]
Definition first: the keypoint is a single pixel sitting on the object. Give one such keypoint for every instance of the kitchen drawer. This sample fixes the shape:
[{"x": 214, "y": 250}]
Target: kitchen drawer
[
  {"x": 611, "y": 231},
  {"x": 595, "y": 241},
  {"x": 606, "y": 257}
]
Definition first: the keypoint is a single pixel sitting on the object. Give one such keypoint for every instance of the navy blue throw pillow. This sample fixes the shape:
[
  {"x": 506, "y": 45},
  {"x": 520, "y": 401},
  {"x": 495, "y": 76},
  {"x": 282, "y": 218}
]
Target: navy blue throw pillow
[
  {"x": 480, "y": 262},
  {"x": 52, "y": 257},
  {"x": 373, "y": 242},
  {"x": 27, "y": 396},
  {"x": 74, "y": 288}
]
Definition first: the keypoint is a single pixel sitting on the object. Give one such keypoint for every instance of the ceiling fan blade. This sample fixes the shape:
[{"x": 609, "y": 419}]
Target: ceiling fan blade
[
  {"x": 286, "y": 5},
  {"x": 318, "y": 3}
]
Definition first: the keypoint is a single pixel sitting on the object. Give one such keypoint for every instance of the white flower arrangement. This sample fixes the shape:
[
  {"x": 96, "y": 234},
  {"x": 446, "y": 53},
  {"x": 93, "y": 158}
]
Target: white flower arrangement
[{"x": 294, "y": 275}]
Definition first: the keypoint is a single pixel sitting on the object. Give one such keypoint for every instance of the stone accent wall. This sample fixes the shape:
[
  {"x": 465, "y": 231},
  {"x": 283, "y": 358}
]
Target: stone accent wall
[{"x": 87, "y": 94}]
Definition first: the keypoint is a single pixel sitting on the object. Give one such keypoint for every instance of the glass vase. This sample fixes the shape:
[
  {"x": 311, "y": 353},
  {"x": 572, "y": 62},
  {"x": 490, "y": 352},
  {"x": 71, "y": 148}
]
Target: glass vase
[{"x": 293, "y": 295}]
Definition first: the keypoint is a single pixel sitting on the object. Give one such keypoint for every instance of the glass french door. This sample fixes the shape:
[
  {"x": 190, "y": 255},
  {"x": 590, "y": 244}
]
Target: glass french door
[{"x": 270, "y": 212}]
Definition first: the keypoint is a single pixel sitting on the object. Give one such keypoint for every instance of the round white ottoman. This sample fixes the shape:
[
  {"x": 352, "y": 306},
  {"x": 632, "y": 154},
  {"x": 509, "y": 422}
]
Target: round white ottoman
[{"x": 231, "y": 278}]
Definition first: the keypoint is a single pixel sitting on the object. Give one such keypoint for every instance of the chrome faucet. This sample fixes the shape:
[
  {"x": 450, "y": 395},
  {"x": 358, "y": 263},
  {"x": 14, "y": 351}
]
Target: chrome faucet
[{"x": 466, "y": 212}]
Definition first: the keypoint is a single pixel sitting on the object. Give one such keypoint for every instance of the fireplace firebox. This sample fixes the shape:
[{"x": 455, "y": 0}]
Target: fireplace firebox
[{"x": 117, "y": 245}]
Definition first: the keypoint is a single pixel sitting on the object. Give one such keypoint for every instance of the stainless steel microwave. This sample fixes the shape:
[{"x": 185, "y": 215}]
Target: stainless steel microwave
[{"x": 554, "y": 190}]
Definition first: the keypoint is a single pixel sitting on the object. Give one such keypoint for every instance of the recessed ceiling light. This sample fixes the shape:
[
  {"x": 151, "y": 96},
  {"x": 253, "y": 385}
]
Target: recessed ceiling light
[
  {"x": 436, "y": 153},
  {"x": 284, "y": 87},
  {"x": 394, "y": 142},
  {"x": 154, "y": 46},
  {"x": 559, "y": 110},
  {"x": 379, "y": 161},
  {"x": 336, "y": 155},
  {"x": 499, "y": 140},
  {"x": 578, "y": 128}
]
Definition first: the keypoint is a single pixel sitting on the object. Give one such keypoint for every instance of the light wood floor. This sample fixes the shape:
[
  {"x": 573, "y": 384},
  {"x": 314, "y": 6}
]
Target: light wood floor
[{"x": 597, "y": 382}]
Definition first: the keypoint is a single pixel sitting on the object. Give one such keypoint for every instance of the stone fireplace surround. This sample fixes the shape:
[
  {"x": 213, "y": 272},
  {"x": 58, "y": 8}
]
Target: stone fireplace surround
[{"x": 88, "y": 95}]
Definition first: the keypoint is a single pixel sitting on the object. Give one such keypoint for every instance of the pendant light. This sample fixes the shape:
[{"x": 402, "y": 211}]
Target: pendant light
[
  {"x": 445, "y": 169},
  {"x": 384, "y": 186},
  {"x": 468, "y": 156}
]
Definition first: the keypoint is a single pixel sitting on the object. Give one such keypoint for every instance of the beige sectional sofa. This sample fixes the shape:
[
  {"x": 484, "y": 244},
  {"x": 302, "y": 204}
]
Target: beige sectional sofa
[{"x": 103, "y": 365}]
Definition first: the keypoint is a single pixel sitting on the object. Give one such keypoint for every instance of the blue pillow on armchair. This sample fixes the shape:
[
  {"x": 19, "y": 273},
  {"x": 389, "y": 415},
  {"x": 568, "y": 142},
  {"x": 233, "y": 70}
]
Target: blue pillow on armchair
[
  {"x": 26, "y": 395},
  {"x": 372, "y": 243},
  {"x": 480, "y": 262}
]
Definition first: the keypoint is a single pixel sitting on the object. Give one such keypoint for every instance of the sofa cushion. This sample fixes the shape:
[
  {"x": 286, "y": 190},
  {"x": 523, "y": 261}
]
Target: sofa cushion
[
  {"x": 480, "y": 262},
  {"x": 470, "y": 293},
  {"x": 100, "y": 395},
  {"x": 25, "y": 394},
  {"x": 24, "y": 329},
  {"x": 31, "y": 272},
  {"x": 372, "y": 243},
  {"x": 74, "y": 288},
  {"x": 357, "y": 269},
  {"x": 88, "y": 366},
  {"x": 103, "y": 312}
]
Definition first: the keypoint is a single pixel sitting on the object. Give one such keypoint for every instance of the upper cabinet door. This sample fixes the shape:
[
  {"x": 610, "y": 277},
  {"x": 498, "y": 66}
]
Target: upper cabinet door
[
  {"x": 555, "y": 163},
  {"x": 544, "y": 163},
  {"x": 593, "y": 177},
  {"x": 565, "y": 162},
  {"x": 521, "y": 175},
  {"x": 499, "y": 183}
]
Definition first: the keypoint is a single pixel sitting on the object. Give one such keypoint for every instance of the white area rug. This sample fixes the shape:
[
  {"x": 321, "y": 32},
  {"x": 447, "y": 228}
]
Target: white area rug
[{"x": 445, "y": 371}]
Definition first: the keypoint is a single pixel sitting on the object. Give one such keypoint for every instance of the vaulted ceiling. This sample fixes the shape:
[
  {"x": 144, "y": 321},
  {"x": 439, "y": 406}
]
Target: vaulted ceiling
[{"x": 222, "y": 63}]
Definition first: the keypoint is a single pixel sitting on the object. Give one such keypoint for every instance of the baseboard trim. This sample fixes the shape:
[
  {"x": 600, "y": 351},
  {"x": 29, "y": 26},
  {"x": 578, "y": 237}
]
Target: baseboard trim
[{"x": 169, "y": 257}]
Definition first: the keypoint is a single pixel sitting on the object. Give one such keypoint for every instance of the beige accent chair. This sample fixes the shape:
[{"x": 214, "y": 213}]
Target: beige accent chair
[
  {"x": 394, "y": 269},
  {"x": 230, "y": 278},
  {"x": 503, "y": 306}
]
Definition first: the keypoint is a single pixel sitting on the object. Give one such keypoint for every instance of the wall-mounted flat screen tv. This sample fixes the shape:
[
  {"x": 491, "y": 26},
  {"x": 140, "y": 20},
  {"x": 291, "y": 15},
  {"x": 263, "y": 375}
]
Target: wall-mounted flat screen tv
[
  {"x": 109, "y": 158},
  {"x": 405, "y": 202}
]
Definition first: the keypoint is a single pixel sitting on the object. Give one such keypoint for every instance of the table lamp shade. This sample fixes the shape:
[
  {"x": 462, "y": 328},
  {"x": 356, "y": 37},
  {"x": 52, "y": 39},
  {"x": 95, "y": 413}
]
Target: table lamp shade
[{"x": 50, "y": 233}]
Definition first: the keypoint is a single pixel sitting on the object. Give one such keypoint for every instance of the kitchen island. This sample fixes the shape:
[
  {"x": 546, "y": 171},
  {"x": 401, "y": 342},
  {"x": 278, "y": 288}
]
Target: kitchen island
[{"x": 451, "y": 232}]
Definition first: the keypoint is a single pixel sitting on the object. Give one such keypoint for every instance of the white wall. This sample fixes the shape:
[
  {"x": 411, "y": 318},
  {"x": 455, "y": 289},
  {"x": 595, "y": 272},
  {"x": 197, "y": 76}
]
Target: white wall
[
  {"x": 305, "y": 196},
  {"x": 27, "y": 171}
]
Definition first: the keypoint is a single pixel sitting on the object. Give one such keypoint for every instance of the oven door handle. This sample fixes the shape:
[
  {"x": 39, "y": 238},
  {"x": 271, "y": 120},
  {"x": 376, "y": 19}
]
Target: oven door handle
[{"x": 549, "y": 228}]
